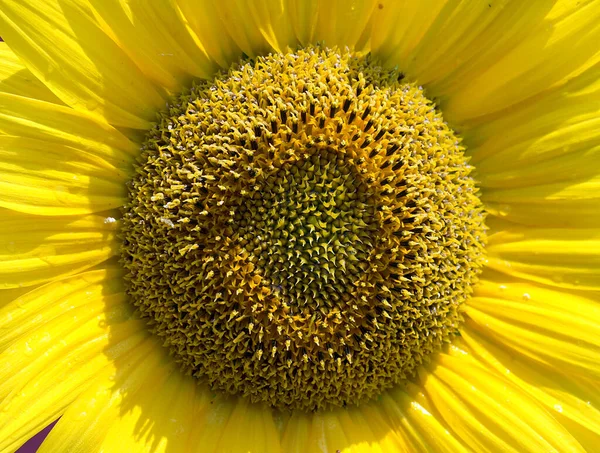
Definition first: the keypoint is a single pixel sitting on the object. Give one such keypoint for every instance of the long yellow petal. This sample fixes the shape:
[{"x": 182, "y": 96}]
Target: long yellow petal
[
  {"x": 558, "y": 393},
  {"x": 155, "y": 36},
  {"x": 61, "y": 43},
  {"x": 68, "y": 332},
  {"x": 425, "y": 429},
  {"x": 553, "y": 139},
  {"x": 15, "y": 78},
  {"x": 579, "y": 190},
  {"x": 562, "y": 257},
  {"x": 489, "y": 413},
  {"x": 561, "y": 46},
  {"x": 468, "y": 37},
  {"x": 25, "y": 117},
  {"x": 537, "y": 344},
  {"x": 343, "y": 22},
  {"x": 167, "y": 417},
  {"x": 336, "y": 430},
  {"x": 572, "y": 204},
  {"x": 233, "y": 425},
  {"x": 249, "y": 427},
  {"x": 303, "y": 16},
  {"x": 139, "y": 405},
  {"x": 88, "y": 418},
  {"x": 370, "y": 423},
  {"x": 40, "y": 177},
  {"x": 22, "y": 312},
  {"x": 258, "y": 26},
  {"x": 446, "y": 43},
  {"x": 394, "y": 423},
  {"x": 205, "y": 22},
  {"x": 38, "y": 249},
  {"x": 558, "y": 328},
  {"x": 397, "y": 27},
  {"x": 573, "y": 210},
  {"x": 465, "y": 422},
  {"x": 573, "y": 166}
]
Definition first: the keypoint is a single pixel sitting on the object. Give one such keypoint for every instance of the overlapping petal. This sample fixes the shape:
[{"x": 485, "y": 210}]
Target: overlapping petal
[
  {"x": 558, "y": 48},
  {"x": 47, "y": 248},
  {"x": 122, "y": 411},
  {"x": 570, "y": 402},
  {"x": 489, "y": 413},
  {"x": 565, "y": 258},
  {"x": 40, "y": 177},
  {"x": 556, "y": 328},
  {"x": 53, "y": 340},
  {"x": 157, "y": 38},
  {"x": 16, "y": 79},
  {"x": 234, "y": 425},
  {"x": 63, "y": 46}
]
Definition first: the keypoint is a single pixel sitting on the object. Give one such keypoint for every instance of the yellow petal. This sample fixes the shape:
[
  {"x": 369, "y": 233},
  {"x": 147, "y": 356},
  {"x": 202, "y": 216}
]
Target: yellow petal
[
  {"x": 242, "y": 20},
  {"x": 342, "y": 22},
  {"x": 40, "y": 177},
  {"x": 25, "y": 117},
  {"x": 488, "y": 412},
  {"x": 110, "y": 396},
  {"x": 249, "y": 427},
  {"x": 425, "y": 430},
  {"x": 468, "y": 37},
  {"x": 303, "y": 16},
  {"x": 258, "y": 26},
  {"x": 543, "y": 193},
  {"x": 214, "y": 413},
  {"x": 205, "y": 22},
  {"x": 582, "y": 164},
  {"x": 395, "y": 422},
  {"x": 574, "y": 204},
  {"x": 232, "y": 424},
  {"x": 557, "y": 328},
  {"x": 37, "y": 249},
  {"x": 575, "y": 210},
  {"x": 68, "y": 332},
  {"x": 61, "y": 43},
  {"x": 155, "y": 36},
  {"x": 341, "y": 430},
  {"x": 24, "y": 311},
  {"x": 15, "y": 78},
  {"x": 465, "y": 422},
  {"x": 385, "y": 436},
  {"x": 7, "y": 295},
  {"x": 566, "y": 258},
  {"x": 322, "y": 430},
  {"x": 446, "y": 43},
  {"x": 558, "y": 393},
  {"x": 537, "y": 344},
  {"x": 170, "y": 412},
  {"x": 554, "y": 139},
  {"x": 558, "y": 48},
  {"x": 399, "y": 26}
]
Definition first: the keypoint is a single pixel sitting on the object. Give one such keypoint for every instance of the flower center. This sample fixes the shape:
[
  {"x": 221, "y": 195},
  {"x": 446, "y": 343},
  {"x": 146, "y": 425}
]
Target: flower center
[{"x": 303, "y": 230}]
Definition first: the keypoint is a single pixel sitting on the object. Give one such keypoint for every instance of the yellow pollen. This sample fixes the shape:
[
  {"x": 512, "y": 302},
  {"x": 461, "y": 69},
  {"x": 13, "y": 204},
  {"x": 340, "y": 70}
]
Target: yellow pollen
[{"x": 303, "y": 230}]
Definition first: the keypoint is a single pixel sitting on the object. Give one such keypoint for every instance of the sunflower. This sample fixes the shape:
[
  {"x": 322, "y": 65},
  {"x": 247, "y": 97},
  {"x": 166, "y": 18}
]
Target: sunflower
[{"x": 300, "y": 226}]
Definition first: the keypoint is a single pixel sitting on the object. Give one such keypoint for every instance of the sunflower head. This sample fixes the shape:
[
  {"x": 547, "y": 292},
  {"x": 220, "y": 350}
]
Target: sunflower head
[
  {"x": 300, "y": 235},
  {"x": 303, "y": 229}
]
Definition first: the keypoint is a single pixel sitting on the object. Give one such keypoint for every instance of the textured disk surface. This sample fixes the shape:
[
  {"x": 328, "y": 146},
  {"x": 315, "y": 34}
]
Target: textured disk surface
[{"x": 303, "y": 229}]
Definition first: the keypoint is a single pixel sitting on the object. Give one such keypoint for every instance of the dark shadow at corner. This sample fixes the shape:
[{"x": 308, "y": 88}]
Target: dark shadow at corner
[{"x": 32, "y": 445}]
